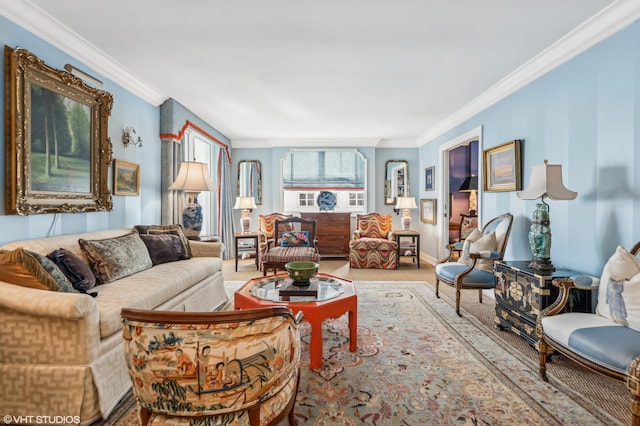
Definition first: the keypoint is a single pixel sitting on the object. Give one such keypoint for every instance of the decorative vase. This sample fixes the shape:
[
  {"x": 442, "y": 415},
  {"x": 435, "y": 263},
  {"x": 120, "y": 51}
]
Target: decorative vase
[
  {"x": 540, "y": 238},
  {"x": 192, "y": 218}
]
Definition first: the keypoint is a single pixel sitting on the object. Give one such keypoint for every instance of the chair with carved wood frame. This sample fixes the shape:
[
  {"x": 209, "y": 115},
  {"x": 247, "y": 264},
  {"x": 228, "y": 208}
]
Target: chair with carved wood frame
[
  {"x": 294, "y": 240},
  {"x": 475, "y": 271},
  {"x": 468, "y": 222},
  {"x": 233, "y": 367},
  {"x": 266, "y": 232}
]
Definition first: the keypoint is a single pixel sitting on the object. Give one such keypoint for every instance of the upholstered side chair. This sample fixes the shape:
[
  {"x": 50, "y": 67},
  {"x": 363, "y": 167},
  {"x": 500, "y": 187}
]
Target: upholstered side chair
[
  {"x": 468, "y": 223},
  {"x": 294, "y": 239},
  {"x": 267, "y": 232},
  {"x": 474, "y": 269},
  {"x": 236, "y": 367},
  {"x": 373, "y": 244}
]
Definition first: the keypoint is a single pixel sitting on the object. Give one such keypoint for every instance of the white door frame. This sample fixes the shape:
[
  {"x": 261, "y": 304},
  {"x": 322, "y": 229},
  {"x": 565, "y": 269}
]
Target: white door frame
[{"x": 443, "y": 185}]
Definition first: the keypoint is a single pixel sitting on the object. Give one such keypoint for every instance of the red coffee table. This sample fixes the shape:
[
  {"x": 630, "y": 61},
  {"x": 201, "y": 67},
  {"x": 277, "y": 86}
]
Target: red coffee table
[{"x": 335, "y": 297}]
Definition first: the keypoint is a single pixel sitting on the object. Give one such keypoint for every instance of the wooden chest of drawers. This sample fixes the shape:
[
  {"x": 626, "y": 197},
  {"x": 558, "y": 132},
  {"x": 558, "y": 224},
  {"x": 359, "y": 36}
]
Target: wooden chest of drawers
[{"x": 333, "y": 231}]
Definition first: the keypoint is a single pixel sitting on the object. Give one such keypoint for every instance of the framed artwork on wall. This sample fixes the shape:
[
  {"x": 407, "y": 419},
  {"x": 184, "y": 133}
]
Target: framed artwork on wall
[
  {"x": 502, "y": 167},
  {"x": 429, "y": 178},
  {"x": 57, "y": 149},
  {"x": 428, "y": 210},
  {"x": 126, "y": 178}
]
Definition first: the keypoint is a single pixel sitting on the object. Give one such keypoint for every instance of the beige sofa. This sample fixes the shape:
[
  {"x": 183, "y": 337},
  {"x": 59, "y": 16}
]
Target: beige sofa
[{"x": 61, "y": 353}]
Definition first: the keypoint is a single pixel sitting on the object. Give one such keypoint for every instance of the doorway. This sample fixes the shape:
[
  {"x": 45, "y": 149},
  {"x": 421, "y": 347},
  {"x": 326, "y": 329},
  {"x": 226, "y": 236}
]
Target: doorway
[{"x": 460, "y": 182}]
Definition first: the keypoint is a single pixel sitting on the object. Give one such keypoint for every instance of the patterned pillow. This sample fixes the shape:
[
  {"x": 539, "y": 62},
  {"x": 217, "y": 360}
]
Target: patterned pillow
[
  {"x": 163, "y": 248},
  {"x": 619, "y": 291},
  {"x": 76, "y": 271},
  {"x": 28, "y": 269},
  {"x": 295, "y": 238},
  {"x": 115, "y": 258},
  {"x": 168, "y": 229}
]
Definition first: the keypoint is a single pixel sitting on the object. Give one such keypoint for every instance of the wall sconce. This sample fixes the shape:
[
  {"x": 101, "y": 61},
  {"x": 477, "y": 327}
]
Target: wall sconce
[{"x": 128, "y": 137}]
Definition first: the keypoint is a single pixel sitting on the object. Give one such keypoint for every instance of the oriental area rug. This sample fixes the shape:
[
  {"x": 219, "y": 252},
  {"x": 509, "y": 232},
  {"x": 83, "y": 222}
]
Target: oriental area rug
[{"x": 418, "y": 363}]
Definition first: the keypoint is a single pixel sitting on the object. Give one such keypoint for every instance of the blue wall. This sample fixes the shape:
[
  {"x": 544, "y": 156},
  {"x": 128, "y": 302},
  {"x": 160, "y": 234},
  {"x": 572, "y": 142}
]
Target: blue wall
[
  {"x": 128, "y": 110},
  {"x": 584, "y": 115}
]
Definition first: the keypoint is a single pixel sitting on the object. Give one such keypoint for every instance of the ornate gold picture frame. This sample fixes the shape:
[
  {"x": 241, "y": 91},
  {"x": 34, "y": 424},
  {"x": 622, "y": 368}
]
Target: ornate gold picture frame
[
  {"x": 57, "y": 149},
  {"x": 126, "y": 178},
  {"x": 502, "y": 170}
]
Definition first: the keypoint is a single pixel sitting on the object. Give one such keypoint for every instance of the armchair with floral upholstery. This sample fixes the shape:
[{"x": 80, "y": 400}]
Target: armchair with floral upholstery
[
  {"x": 373, "y": 244},
  {"x": 266, "y": 232},
  {"x": 234, "y": 367}
]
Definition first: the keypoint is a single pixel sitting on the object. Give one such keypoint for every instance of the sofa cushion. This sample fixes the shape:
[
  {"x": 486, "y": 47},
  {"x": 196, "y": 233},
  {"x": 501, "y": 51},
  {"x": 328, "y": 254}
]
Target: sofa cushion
[
  {"x": 167, "y": 229},
  {"x": 150, "y": 288},
  {"x": 163, "y": 248},
  {"x": 115, "y": 258},
  {"x": 28, "y": 269},
  {"x": 619, "y": 291},
  {"x": 76, "y": 271}
]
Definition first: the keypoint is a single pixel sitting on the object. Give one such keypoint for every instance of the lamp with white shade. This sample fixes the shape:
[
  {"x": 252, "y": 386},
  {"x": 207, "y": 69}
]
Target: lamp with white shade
[
  {"x": 193, "y": 178},
  {"x": 246, "y": 204},
  {"x": 546, "y": 181},
  {"x": 406, "y": 204}
]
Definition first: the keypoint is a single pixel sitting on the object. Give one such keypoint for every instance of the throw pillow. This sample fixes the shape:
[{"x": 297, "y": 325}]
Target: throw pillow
[
  {"x": 115, "y": 258},
  {"x": 168, "y": 229},
  {"x": 295, "y": 238},
  {"x": 76, "y": 271},
  {"x": 486, "y": 243},
  {"x": 475, "y": 235},
  {"x": 163, "y": 248},
  {"x": 28, "y": 269},
  {"x": 619, "y": 286}
]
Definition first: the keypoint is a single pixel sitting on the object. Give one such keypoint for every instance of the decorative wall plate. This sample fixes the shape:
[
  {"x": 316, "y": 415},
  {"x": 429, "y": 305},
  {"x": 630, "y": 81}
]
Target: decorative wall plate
[{"x": 326, "y": 201}]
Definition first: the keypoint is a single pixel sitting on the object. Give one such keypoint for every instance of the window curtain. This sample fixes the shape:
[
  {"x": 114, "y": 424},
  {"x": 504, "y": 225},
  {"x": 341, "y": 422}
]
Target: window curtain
[{"x": 225, "y": 203}]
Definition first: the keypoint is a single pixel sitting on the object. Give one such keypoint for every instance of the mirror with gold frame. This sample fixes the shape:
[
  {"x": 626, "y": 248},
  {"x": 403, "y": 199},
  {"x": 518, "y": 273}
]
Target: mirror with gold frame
[
  {"x": 57, "y": 148},
  {"x": 250, "y": 180},
  {"x": 396, "y": 180}
]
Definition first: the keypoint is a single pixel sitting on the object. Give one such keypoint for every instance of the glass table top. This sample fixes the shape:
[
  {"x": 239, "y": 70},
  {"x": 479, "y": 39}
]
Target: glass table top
[{"x": 269, "y": 289}]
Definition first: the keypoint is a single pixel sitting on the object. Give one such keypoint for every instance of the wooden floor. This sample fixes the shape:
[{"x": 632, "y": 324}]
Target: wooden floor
[{"x": 591, "y": 388}]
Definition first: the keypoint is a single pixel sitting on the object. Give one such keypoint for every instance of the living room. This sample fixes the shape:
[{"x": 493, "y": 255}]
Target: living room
[{"x": 576, "y": 104}]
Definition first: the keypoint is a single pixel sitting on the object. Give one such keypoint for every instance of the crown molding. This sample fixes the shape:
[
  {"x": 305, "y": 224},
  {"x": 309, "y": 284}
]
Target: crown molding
[
  {"x": 311, "y": 142},
  {"x": 610, "y": 20},
  {"x": 37, "y": 22}
]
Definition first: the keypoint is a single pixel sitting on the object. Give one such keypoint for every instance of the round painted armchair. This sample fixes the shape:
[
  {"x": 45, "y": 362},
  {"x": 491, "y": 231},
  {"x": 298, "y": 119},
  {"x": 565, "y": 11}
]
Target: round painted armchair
[{"x": 232, "y": 368}]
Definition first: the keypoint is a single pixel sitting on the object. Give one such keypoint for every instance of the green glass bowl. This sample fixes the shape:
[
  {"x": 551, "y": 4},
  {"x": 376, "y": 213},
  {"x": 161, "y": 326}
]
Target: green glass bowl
[{"x": 301, "y": 271}]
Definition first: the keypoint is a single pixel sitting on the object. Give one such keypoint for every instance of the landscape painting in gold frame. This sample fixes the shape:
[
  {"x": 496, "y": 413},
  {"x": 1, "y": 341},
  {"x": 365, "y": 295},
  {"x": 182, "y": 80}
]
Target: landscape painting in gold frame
[
  {"x": 502, "y": 167},
  {"x": 57, "y": 148},
  {"x": 126, "y": 178}
]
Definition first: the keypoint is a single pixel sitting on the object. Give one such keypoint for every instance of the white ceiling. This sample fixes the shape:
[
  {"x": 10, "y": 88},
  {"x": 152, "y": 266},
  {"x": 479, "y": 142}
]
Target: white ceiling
[{"x": 336, "y": 71}]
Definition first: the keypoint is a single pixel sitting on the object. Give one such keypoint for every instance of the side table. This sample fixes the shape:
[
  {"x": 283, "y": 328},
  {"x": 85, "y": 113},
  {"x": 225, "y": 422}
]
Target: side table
[
  {"x": 242, "y": 248},
  {"x": 404, "y": 247},
  {"x": 522, "y": 292}
]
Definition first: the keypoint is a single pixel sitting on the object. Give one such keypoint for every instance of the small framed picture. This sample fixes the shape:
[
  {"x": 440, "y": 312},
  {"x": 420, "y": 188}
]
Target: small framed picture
[
  {"x": 126, "y": 178},
  {"x": 429, "y": 178},
  {"x": 502, "y": 167},
  {"x": 428, "y": 210}
]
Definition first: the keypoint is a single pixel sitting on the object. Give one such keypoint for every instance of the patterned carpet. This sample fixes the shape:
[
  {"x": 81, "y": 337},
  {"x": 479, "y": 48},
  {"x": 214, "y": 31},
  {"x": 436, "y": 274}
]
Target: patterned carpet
[{"x": 418, "y": 363}]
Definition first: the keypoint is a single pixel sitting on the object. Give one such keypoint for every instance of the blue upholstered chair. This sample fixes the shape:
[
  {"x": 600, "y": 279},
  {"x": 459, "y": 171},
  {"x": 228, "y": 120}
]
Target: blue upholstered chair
[{"x": 474, "y": 269}]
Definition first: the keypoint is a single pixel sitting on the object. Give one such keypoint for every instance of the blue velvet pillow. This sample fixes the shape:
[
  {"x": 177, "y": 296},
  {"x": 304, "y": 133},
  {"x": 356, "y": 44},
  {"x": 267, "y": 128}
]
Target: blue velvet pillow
[
  {"x": 295, "y": 238},
  {"x": 76, "y": 271}
]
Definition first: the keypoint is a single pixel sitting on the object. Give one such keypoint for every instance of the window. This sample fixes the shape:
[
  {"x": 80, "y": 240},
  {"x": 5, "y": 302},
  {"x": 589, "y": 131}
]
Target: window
[
  {"x": 306, "y": 199},
  {"x": 356, "y": 199},
  {"x": 202, "y": 149}
]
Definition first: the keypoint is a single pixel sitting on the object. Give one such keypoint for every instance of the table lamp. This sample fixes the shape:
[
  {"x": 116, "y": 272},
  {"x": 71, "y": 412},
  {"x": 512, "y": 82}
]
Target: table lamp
[
  {"x": 193, "y": 178},
  {"x": 470, "y": 185},
  {"x": 546, "y": 181},
  {"x": 406, "y": 203},
  {"x": 246, "y": 204}
]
